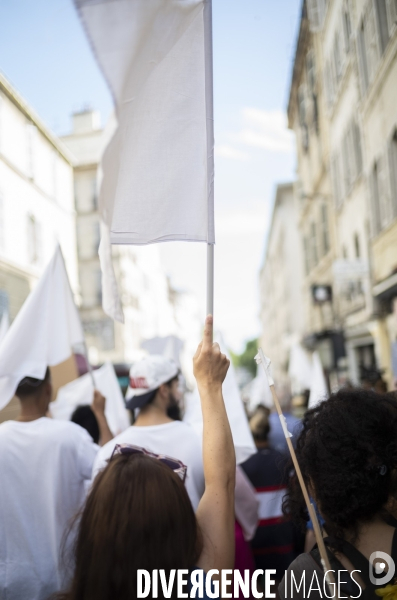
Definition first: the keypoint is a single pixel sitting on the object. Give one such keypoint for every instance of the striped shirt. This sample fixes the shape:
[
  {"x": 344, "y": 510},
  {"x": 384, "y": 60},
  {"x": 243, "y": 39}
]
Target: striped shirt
[{"x": 273, "y": 543}]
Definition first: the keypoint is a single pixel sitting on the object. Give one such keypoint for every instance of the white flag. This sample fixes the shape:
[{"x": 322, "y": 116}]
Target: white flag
[
  {"x": 318, "y": 388},
  {"x": 242, "y": 437},
  {"x": 80, "y": 392},
  {"x": 43, "y": 332},
  {"x": 300, "y": 369},
  {"x": 158, "y": 169}
]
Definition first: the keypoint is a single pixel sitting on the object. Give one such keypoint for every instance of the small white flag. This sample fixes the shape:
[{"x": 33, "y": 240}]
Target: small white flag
[
  {"x": 80, "y": 392},
  {"x": 158, "y": 169},
  {"x": 318, "y": 388},
  {"x": 242, "y": 437},
  {"x": 43, "y": 332}
]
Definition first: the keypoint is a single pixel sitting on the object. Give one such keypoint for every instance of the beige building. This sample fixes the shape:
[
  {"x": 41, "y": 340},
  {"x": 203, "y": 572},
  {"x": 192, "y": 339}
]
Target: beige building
[
  {"x": 281, "y": 310},
  {"x": 351, "y": 47},
  {"x": 36, "y": 204}
]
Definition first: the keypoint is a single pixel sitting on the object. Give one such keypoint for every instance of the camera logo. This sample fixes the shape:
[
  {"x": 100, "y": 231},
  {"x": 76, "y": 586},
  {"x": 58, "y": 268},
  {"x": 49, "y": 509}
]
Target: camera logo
[{"x": 381, "y": 561}]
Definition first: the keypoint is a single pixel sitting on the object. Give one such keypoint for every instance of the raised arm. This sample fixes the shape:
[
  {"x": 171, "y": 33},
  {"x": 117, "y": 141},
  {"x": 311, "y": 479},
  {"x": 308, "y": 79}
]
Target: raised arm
[
  {"x": 98, "y": 408},
  {"x": 215, "y": 513}
]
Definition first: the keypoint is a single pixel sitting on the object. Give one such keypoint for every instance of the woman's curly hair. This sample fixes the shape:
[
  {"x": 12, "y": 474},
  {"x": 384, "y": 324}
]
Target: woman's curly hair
[{"x": 347, "y": 451}]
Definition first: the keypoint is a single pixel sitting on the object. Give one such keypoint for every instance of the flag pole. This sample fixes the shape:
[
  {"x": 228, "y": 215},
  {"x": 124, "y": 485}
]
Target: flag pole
[{"x": 209, "y": 101}]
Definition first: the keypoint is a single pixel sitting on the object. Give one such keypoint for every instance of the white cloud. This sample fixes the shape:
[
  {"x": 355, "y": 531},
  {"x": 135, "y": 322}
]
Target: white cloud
[
  {"x": 265, "y": 129},
  {"x": 227, "y": 151}
]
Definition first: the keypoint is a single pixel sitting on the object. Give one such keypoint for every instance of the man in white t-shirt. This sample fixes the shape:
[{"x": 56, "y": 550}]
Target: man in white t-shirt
[
  {"x": 45, "y": 465},
  {"x": 154, "y": 390}
]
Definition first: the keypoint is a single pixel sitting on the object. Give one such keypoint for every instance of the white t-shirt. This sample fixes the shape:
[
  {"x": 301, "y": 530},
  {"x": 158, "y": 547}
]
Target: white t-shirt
[
  {"x": 176, "y": 440},
  {"x": 44, "y": 466}
]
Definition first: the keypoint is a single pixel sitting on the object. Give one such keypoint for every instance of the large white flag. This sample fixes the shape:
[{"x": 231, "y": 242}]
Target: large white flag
[
  {"x": 43, "y": 332},
  {"x": 80, "y": 392},
  {"x": 158, "y": 169}
]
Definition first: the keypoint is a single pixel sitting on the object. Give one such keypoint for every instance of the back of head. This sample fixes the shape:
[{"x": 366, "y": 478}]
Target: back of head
[
  {"x": 30, "y": 386},
  {"x": 84, "y": 416},
  {"x": 259, "y": 424},
  {"x": 138, "y": 516},
  {"x": 347, "y": 451}
]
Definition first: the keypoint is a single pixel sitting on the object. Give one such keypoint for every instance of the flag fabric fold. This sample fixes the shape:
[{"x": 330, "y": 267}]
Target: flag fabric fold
[
  {"x": 80, "y": 392},
  {"x": 43, "y": 332},
  {"x": 158, "y": 169}
]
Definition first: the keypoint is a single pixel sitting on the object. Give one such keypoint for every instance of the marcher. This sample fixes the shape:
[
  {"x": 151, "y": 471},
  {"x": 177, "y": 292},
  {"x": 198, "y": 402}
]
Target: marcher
[
  {"x": 273, "y": 543},
  {"x": 154, "y": 391},
  {"x": 138, "y": 514},
  {"x": 347, "y": 452},
  {"x": 94, "y": 422},
  {"x": 44, "y": 465}
]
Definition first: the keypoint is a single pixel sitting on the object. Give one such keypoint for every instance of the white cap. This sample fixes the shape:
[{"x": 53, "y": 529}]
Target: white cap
[{"x": 147, "y": 375}]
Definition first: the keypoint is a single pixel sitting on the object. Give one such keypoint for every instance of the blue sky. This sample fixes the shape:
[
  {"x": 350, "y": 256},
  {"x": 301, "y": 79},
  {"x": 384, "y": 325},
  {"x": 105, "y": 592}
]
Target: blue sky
[{"x": 45, "y": 55}]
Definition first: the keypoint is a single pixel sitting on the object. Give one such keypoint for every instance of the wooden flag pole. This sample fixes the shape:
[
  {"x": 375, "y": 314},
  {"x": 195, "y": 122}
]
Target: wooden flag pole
[{"x": 312, "y": 513}]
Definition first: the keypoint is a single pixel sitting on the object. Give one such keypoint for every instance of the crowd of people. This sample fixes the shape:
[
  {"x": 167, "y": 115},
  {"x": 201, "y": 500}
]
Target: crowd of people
[{"x": 81, "y": 511}]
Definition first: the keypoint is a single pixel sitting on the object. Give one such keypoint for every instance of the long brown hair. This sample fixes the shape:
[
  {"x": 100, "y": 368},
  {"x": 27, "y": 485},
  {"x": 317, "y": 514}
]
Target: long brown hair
[{"x": 138, "y": 515}]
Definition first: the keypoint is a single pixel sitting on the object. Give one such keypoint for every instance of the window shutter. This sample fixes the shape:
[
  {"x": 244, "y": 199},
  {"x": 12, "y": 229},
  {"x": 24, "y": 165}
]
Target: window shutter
[
  {"x": 336, "y": 180},
  {"x": 362, "y": 59},
  {"x": 313, "y": 10},
  {"x": 374, "y": 193}
]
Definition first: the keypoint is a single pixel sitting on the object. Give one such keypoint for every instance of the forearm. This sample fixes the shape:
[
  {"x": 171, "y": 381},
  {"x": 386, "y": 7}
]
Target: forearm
[
  {"x": 105, "y": 434},
  {"x": 218, "y": 449}
]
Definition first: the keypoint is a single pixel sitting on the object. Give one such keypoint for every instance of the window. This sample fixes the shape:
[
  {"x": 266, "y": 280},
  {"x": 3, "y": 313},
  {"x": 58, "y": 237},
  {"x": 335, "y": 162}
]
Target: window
[
  {"x": 324, "y": 229},
  {"x": 311, "y": 71},
  {"x": 347, "y": 27},
  {"x": 313, "y": 245},
  {"x": 357, "y": 245},
  {"x": 33, "y": 240},
  {"x": 336, "y": 180},
  {"x": 316, "y": 12},
  {"x": 302, "y": 105},
  {"x": 337, "y": 57},
  {"x": 306, "y": 255},
  {"x": 381, "y": 206},
  {"x": 371, "y": 42},
  {"x": 357, "y": 148},
  {"x": 363, "y": 59},
  {"x": 383, "y": 27},
  {"x": 393, "y": 172},
  {"x": 391, "y": 15}
]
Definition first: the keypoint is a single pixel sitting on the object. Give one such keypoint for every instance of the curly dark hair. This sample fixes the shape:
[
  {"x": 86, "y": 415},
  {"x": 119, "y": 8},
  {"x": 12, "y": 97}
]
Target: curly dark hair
[{"x": 347, "y": 451}]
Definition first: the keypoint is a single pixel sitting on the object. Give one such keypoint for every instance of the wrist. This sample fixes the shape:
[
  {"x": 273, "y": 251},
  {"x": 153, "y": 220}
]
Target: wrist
[{"x": 209, "y": 388}]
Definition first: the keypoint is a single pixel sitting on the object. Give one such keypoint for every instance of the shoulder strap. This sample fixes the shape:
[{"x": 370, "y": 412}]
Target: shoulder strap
[
  {"x": 348, "y": 588},
  {"x": 394, "y": 547},
  {"x": 357, "y": 559}
]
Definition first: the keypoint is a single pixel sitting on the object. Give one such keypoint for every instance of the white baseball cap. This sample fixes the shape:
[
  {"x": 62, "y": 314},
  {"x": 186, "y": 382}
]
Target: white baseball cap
[{"x": 146, "y": 376}]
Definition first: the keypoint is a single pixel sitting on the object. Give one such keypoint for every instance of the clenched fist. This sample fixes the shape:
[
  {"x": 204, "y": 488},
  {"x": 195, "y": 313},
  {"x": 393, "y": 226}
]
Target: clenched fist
[{"x": 209, "y": 364}]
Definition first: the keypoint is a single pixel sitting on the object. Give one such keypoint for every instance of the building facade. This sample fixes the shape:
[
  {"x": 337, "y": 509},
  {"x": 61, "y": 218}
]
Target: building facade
[
  {"x": 281, "y": 309},
  {"x": 342, "y": 109}
]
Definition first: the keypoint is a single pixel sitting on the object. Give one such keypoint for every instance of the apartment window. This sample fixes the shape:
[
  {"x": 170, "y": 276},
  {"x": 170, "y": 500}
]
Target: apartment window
[
  {"x": 316, "y": 11},
  {"x": 347, "y": 27},
  {"x": 33, "y": 240},
  {"x": 324, "y": 229},
  {"x": 363, "y": 58},
  {"x": 381, "y": 205},
  {"x": 313, "y": 245},
  {"x": 371, "y": 42},
  {"x": 357, "y": 245},
  {"x": 94, "y": 192},
  {"x": 311, "y": 71},
  {"x": 337, "y": 57},
  {"x": 383, "y": 26},
  {"x": 306, "y": 254},
  {"x": 392, "y": 15},
  {"x": 357, "y": 148},
  {"x": 393, "y": 172},
  {"x": 336, "y": 180},
  {"x": 346, "y": 159}
]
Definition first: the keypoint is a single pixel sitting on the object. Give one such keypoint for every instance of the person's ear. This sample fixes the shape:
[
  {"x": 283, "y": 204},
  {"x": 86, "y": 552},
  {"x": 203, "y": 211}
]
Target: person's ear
[{"x": 164, "y": 391}]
